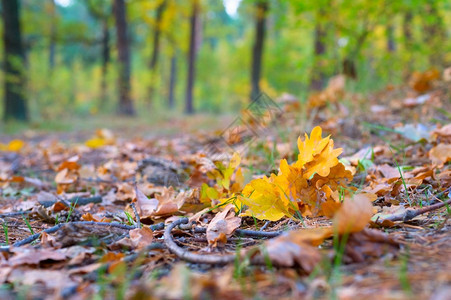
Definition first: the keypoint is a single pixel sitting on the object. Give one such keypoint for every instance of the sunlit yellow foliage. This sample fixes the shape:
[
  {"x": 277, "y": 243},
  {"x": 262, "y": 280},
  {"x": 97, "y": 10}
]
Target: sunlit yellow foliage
[
  {"x": 309, "y": 186},
  {"x": 13, "y": 146}
]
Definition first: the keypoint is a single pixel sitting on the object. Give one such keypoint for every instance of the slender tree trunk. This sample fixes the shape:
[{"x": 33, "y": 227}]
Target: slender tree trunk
[
  {"x": 408, "y": 42},
  {"x": 15, "y": 103},
  {"x": 194, "y": 24},
  {"x": 123, "y": 47},
  {"x": 435, "y": 33},
  {"x": 52, "y": 36},
  {"x": 407, "y": 30},
  {"x": 319, "y": 77},
  {"x": 257, "y": 51},
  {"x": 105, "y": 62},
  {"x": 349, "y": 65},
  {"x": 391, "y": 45},
  {"x": 156, "y": 50},
  {"x": 172, "y": 80}
]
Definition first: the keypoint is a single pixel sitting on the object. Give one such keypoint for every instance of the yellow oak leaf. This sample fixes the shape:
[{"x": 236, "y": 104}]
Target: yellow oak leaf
[
  {"x": 323, "y": 162},
  {"x": 289, "y": 181},
  {"x": 263, "y": 200},
  {"x": 13, "y": 146},
  {"x": 95, "y": 142},
  {"x": 311, "y": 146}
]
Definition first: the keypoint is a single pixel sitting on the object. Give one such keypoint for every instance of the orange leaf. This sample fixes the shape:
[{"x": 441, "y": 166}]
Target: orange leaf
[{"x": 354, "y": 214}]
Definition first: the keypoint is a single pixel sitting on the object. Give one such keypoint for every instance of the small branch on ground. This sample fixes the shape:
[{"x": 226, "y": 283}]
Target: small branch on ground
[
  {"x": 80, "y": 201},
  {"x": 14, "y": 213},
  {"x": 245, "y": 232},
  {"x": 211, "y": 259},
  {"x": 57, "y": 227},
  {"x": 135, "y": 211},
  {"x": 412, "y": 213},
  {"x": 192, "y": 257}
]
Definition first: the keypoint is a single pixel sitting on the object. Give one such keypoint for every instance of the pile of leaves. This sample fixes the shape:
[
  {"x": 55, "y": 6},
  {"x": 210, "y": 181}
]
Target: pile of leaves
[{"x": 115, "y": 217}]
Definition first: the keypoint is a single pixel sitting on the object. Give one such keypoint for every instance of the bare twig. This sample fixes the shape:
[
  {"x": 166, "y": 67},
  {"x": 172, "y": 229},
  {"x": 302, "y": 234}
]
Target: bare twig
[
  {"x": 134, "y": 256},
  {"x": 245, "y": 232},
  {"x": 192, "y": 257},
  {"x": 265, "y": 225},
  {"x": 412, "y": 213},
  {"x": 15, "y": 213},
  {"x": 57, "y": 227},
  {"x": 158, "y": 226},
  {"x": 135, "y": 211},
  {"x": 80, "y": 201},
  {"x": 211, "y": 259}
]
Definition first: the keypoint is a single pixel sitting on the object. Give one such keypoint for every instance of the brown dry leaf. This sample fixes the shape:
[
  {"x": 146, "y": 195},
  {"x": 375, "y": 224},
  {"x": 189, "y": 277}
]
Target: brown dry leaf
[
  {"x": 65, "y": 177},
  {"x": 388, "y": 171},
  {"x": 354, "y": 214},
  {"x": 53, "y": 279},
  {"x": 368, "y": 243},
  {"x": 141, "y": 237},
  {"x": 440, "y": 154},
  {"x": 33, "y": 256},
  {"x": 297, "y": 248},
  {"x": 125, "y": 192},
  {"x": 222, "y": 226},
  {"x": 146, "y": 207},
  {"x": 111, "y": 257},
  {"x": 380, "y": 189},
  {"x": 96, "y": 218},
  {"x": 422, "y": 82},
  {"x": 169, "y": 201},
  {"x": 48, "y": 240}
]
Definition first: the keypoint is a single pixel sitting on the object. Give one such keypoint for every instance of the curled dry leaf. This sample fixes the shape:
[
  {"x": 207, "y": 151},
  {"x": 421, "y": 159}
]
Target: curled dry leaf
[
  {"x": 141, "y": 237},
  {"x": 52, "y": 279},
  {"x": 354, "y": 214},
  {"x": 167, "y": 203},
  {"x": 440, "y": 154},
  {"x": 296, "y": 248},
  {"x": 443, "y": 134},
  {"x": 33, "y": 256},
  {"x": 146, "y": 207},
  {"x": 368, "y": 243},
  {"x": 222, "y": 226}
]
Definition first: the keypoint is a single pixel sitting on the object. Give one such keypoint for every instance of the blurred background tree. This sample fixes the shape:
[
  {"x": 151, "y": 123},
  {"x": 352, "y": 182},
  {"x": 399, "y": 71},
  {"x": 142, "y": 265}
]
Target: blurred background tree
[{"x": 89, "y": 57}]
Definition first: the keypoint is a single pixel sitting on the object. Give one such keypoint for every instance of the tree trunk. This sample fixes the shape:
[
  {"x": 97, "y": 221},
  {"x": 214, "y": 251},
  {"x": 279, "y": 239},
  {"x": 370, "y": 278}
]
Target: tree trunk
[
  {"x": 435, "y": 33},
  {"x": 257, "y": 51},
  {"x": 172, "y": 80},
  {"x": 407, "y": 30},
  {"x": 349, "y": 65},
  {"x": 319, "y": 77},
  {"x": 52, "y": 36},
  {"x": 194, "y": 24},
  {"x": 391, "y": 45},
  {"x": 123, "y": 47},
  {"x": 156, "y": 50},
  {"x": 105, "y": 62},
  {"x": 15, "y": 103}
]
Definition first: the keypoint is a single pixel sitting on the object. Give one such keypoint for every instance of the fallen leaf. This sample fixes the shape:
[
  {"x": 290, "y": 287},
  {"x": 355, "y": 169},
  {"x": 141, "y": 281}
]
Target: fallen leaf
[
  {"x": 141, "y": 237},
  {"x": 296, "y": 248},
  {"x": 440, "y": 154},
  {"x": 33, "y": 256},
  {"x": 222, "y": 226},
  {"x": 354, "y": 214},
  {"x": 368, "y": 243}
]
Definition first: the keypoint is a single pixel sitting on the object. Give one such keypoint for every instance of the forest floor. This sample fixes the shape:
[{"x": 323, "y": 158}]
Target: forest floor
[{"x": 151, "y": 211}]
